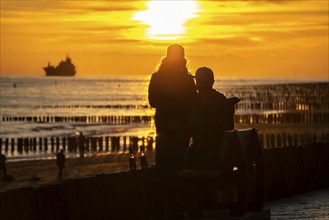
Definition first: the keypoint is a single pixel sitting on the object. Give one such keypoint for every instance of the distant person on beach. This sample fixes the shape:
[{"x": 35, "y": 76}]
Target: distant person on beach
[
  {"x": 210, "y": 117},
  {"x": 3, "y": 170},
  {"x": 172, "y": 92},
  {"x": 60, "y": 161}
]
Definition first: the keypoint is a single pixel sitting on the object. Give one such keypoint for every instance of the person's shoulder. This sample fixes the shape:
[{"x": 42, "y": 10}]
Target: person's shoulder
[
  {"x": 219, "y": 95},
  {"x": 189, "y": 75},
  {"x": 155, "y": 76},
  {"x": 189, "y": 78}
]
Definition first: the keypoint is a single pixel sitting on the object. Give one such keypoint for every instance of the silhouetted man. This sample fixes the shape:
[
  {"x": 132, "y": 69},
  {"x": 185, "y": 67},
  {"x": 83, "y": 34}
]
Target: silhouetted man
[
  {"x": 212, "y": 115},
  {"x": 3, "y": 170},
  {"x": 60, "y": 161}
]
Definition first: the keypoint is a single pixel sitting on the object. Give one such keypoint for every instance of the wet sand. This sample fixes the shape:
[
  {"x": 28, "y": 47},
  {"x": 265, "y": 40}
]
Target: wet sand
[
  {"x": 39, "y": 172},
  {"x": 311, "y": 205}
]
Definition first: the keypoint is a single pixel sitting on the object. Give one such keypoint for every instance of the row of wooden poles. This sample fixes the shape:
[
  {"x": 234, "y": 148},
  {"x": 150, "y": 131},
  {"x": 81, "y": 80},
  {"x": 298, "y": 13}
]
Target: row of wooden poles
[
  {"x": 245, "y": 104},
  {"x": 117, "y": 143},
  {"x": 82, "y": 119},
  {"x": 72, "y": 144},
  {"x": 301, "y": 96},
  {"x": 297, "y": 117},
  {"x": 272, "y": 140},
  {"x": 94, "y": 106},
  {"x": 280, "y": 106},
  {"x": 283, "y": 118},
  {"x": 289, "y": 93}
]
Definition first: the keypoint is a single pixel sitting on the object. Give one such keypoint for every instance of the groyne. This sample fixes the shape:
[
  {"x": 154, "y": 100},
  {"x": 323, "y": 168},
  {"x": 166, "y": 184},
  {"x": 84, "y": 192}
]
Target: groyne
[
  {"x": 111, "y": 119},
  {"x": 71, "y": 144},
  {"x": 275, "y": 118},
  {"x": 131, "y": 195},
  {"x": 33, "y": 145}
]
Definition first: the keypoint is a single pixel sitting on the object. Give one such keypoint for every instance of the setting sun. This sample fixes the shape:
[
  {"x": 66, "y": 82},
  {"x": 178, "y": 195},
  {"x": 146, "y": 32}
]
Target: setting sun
[
  {"x": 242, "y": 38},
  {"x": 166, "y": 18}
]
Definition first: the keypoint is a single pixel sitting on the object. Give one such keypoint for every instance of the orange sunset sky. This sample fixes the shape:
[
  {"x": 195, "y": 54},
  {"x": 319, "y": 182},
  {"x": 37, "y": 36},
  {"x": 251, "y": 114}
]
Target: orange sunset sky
[{"x": 247, "y": 38}]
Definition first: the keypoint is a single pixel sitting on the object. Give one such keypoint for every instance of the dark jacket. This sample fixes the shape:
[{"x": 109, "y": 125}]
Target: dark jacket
[
  {"x": 212, "y": 114},
  {"x": 172, "y": 95}
]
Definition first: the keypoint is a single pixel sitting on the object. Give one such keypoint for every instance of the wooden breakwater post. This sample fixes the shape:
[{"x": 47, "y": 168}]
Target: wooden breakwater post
[
  {"x": 34, "y": 145},
  {"x": 52, "y": 144},
  {"x": 93, "y": 144},
  {"x": 40, "y": 144},
  {"x": 45, "y": 144},
  {"x": 64, "y": 143},
  {"x": 20, "y": 145},
  {"x": 107, "y": 145},
  {"x": 133, "y": 143},
  {"x": 12, "y": 145},
  {"x": 115, "y": 143},
  {"x": 100, "y": 144},
  {"x": 6, "y": 144},
  {"x": 26, "y": 145},
  {"x": 87, "y": 144},
  {"x": 57, "y": 144},
  {"x": 124, "y": 144}
]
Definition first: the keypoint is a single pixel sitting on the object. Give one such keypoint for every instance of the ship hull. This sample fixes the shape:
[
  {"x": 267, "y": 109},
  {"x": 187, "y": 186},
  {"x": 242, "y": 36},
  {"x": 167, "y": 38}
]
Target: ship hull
[{"x": 58, "y": 73}]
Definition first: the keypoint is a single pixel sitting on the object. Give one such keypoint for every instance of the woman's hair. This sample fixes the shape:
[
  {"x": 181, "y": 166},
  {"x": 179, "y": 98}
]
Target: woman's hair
[{"x": 172, "y": 66}]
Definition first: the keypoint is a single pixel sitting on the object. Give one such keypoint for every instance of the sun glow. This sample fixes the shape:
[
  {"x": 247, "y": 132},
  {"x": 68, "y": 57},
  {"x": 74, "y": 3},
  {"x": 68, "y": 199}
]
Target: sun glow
[{"x": 166, "y": 19}]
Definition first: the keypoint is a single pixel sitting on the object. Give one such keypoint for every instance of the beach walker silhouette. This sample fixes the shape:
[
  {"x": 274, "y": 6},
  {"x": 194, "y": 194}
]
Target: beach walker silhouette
[
  {"x": 81, "y": 144},
  {"x": 172, "y": 92},
  {"x": 60, "y": 162}
]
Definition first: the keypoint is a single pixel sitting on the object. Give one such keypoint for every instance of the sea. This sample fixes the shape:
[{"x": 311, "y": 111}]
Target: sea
[{"x": 40, "y": 106}]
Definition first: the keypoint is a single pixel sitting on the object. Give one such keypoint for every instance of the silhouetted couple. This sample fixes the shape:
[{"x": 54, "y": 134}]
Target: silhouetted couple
[{"x": 183, "y": 110}]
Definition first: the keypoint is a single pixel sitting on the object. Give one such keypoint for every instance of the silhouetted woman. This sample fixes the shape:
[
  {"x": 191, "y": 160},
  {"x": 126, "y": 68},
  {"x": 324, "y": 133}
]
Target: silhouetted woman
[{"x": 171, "y": 91}]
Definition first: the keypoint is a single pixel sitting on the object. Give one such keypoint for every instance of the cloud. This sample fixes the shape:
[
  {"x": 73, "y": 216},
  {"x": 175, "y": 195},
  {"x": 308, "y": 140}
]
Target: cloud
[
  {"x": 232, "y": 18},
  {"x": 105, "y": 28},
  {"x": 256, "y": 1},
  {"x": 69, "y": 6},
  {"x": 227, "y": 42}
]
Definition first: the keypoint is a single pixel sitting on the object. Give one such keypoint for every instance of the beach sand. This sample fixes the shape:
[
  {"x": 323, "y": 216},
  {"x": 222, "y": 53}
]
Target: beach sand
[
  {"x": 24, "y": 171},
  {"x": 39, "y": 172}
]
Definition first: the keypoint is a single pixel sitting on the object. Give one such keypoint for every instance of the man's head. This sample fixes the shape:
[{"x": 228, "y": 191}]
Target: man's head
[{"x": 204, "y": 79}]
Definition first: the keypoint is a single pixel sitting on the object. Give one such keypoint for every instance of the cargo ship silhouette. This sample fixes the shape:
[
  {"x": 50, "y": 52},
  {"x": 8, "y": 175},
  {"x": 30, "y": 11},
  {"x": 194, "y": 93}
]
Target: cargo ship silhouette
[{"x": 64, "y": 68}]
